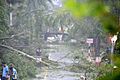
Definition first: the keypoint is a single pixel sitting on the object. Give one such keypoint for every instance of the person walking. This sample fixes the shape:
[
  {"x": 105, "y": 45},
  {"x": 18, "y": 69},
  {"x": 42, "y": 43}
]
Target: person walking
[
  {"x": 13, "y": 72},
  {"x": 5, "y": 71},
  {"x": 38, "y": 54}
]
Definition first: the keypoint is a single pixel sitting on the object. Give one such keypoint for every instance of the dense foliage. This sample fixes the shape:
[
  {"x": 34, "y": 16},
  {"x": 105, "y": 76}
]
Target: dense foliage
[
  {"x": 107, "y": 11},
  {"x": 97, "y": 9},
  {"x": 108, "y": 72},
  {"x": 24, "y": 66},
  {"x": 3, "y": 15},
  {"x": 31, "y": 18}
]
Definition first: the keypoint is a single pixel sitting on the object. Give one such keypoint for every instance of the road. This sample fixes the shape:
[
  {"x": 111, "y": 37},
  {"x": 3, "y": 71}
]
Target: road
[{"x": 62, "y": 55}]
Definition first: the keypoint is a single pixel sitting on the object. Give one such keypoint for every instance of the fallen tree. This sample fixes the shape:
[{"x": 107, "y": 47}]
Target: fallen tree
[{"x": 25, "y": 54}]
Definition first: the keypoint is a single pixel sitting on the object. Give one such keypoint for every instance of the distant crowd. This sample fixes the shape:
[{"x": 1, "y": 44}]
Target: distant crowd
[{"x": 8, "y": 73}]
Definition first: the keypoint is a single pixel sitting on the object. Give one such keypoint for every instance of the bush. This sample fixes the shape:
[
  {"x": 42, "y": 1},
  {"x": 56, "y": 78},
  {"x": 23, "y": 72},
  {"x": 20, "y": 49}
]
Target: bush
[{"x": 112, "y": 73}]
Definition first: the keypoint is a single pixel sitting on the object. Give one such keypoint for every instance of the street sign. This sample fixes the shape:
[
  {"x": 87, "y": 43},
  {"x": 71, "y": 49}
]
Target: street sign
[{"x": 89, "y": 40}]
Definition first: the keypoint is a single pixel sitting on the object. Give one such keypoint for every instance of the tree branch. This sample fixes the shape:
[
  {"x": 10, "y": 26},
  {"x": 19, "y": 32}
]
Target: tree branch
[
  {"x": 23, "y": 53},
  {"x": 13, "y": 36}
]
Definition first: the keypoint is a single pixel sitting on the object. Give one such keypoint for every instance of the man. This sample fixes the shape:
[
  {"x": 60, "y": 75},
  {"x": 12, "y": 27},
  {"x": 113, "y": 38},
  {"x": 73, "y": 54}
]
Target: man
[
  {"x": 5, "y": 71},
  {"x": 38, "y": 52},
  {"x": 13, "y": 72},
  {"x": 38, "y": 55}
]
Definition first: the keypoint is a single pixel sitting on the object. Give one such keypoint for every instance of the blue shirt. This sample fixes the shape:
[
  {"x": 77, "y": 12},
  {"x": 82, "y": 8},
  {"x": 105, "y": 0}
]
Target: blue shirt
[{"x": 5, "y": 71}]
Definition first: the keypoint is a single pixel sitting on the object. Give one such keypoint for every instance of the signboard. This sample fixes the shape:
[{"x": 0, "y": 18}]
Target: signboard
[{"x": 89, "y": 40}]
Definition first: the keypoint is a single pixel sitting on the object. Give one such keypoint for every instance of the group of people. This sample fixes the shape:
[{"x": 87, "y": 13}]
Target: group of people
[{"x": 8, "y": 73}]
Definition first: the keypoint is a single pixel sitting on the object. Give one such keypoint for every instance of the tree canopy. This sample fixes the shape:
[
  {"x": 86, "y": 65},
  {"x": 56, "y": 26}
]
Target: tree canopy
[{"x": 98, "y": 9}]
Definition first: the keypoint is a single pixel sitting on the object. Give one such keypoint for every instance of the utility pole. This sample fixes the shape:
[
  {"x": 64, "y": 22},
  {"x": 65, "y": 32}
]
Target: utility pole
[
  {"x": 97, "y": 50},
  {"x": 10, "y": 3},
  {"x": 11, "y": 19},
  {"x": 97, "y": 46}
]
